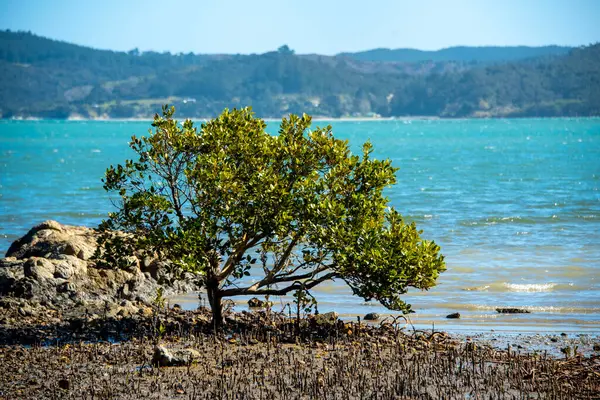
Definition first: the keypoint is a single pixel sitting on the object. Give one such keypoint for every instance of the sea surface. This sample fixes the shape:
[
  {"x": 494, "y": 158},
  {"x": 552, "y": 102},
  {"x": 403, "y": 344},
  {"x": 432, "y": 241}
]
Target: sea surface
[{"x": 514, "y": 204}]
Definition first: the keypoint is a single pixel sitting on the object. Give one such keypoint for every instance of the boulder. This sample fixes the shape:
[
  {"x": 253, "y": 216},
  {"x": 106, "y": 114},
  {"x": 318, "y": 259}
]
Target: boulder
[
  {"x": 51, "y": 239},
  {"x": 39, "y": 269},
  {"x": 66, "y": 266},
  {"x": 371, "y": 317},
  {"x": 453, "y": 316}
]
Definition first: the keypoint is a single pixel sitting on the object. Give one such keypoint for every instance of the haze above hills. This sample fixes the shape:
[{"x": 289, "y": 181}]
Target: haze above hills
[{"x": 52, "y": 79}]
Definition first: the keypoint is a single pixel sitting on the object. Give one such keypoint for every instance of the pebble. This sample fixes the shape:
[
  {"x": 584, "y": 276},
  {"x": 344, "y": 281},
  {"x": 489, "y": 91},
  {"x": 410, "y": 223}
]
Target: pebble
[{"x": 64, "y": 384}]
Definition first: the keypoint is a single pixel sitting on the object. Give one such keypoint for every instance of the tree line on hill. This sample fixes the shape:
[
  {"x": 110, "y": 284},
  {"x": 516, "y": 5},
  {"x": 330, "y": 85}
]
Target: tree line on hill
[{"x": 51, "y": 79}]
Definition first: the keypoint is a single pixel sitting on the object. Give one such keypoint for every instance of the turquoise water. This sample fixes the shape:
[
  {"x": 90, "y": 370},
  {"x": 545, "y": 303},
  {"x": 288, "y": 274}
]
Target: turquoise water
[{"x": 515, "y": 205}]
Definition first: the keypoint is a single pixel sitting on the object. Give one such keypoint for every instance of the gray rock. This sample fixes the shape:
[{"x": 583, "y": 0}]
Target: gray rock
[
  {"x": 256, "y": 302},
  {"x": 39, "y": 268},
  {"x": 164, "y": 357},
  {"x": 512, "y": 311},
  {"x": 25, "y": 311},
  {"x": 67, "y": 266},
  {"x": 63, "y": 270},
  {"x": 66, "y": 287},
  {"x": 371, "y": 317},
  {"x": 125, "y": 291},
  {"x": 7, "y": 280},
  {"x": 8, "y": 262},
  {"x": 127, "y": 309},
  {"x": 49, "y": 239}
]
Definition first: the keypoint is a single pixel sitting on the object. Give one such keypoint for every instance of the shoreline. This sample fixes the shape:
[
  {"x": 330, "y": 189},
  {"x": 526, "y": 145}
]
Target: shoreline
[
  {"x": 536, "y": 322},
  {"x": 25, "y": 323},
  {"x": 315, "y": 119}
]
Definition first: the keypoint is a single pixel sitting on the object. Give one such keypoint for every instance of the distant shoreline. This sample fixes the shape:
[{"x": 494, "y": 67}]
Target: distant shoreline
[
  {"x": 269, "y": 119},
  {"x": 315, "y": 119}
]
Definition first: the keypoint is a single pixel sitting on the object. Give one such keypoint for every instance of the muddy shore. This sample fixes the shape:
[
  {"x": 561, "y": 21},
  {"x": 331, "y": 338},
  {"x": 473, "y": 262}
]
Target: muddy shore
[{"x": 82, "y": 354}]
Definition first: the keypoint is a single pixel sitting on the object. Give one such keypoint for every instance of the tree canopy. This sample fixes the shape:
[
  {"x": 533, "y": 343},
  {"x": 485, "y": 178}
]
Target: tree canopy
[{"x": 298, "y": 207}]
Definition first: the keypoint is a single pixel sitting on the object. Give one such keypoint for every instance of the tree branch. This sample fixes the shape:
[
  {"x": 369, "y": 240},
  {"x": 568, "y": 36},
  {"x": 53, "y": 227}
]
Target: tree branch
[
  {"x": 278, "y": 292},
  {"x": 281, "y": 263},
  {"x": 237, "y": 256},
  {"x": 287, "y": 278}
]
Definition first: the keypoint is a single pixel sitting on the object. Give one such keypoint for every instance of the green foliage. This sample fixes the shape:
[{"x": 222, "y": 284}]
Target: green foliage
[
  {"x": 159, "y": 300},
  {"x": 218, "y": 199},
  {"x": 305, "y": 302}
]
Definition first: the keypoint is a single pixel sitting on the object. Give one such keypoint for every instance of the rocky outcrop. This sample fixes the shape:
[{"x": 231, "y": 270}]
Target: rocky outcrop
[
  {"x": 51, "y": 239},
  {"x": 53, "y": 264}
]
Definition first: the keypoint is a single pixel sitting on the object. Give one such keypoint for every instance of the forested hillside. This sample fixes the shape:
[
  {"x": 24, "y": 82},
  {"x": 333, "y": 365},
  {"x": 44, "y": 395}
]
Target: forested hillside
[
  {"x": 44, "y": 78},
  {"x": 485, "y": 54}
]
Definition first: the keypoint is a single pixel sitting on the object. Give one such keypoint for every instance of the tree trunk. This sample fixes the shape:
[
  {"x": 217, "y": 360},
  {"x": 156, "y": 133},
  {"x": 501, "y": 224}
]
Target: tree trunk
[{"x": 216, "y": 306}]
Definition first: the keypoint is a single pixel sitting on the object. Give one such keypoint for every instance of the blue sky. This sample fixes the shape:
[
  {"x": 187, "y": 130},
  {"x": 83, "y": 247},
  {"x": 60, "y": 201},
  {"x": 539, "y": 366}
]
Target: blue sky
[{"x": 309, "y": 26}]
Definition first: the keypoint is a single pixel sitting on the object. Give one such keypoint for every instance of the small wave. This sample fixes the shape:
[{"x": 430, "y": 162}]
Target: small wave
[
  {"x": 521, "y": 287},
  {"x": 517, "y": 220},
  {"x": 477, "y": 288},
  {"x": 530, "y": 287},
  {"x": 96, "y": 151}
]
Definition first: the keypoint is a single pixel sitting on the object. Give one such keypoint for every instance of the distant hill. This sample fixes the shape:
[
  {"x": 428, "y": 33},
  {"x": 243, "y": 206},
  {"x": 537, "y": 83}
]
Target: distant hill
[
  {"x": 44, "y": 78},
  {"x": 560, "y": 86},
  {"x": 486, "y": 54}
]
